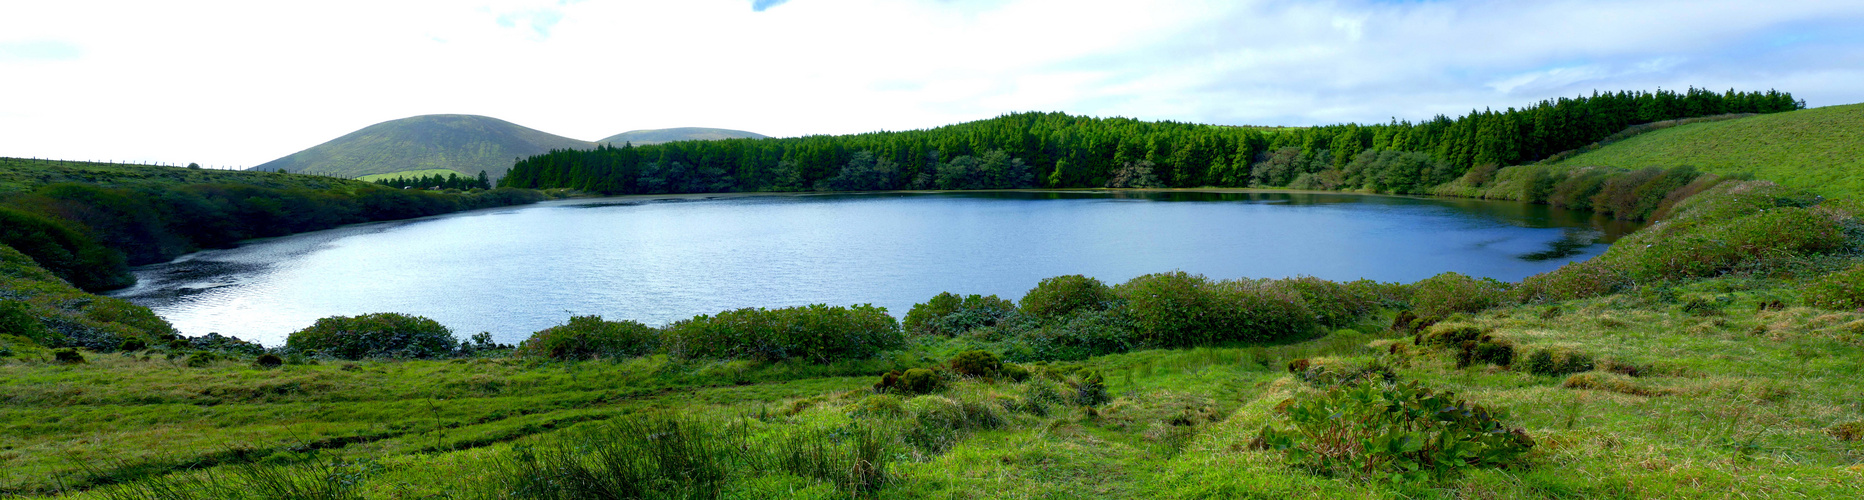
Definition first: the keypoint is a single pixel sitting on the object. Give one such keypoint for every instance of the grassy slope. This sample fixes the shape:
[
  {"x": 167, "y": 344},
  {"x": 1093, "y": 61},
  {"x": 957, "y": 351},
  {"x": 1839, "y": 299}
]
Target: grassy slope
[
  {"x": 22, "y": 175},
  {"x": 1819, "y": 150},
  {"x": 1742, "y": 411},
  {"x": 462, "y": 143},
  {"x": 657, "y": 136},
  {"x": 411, "y": 173}
]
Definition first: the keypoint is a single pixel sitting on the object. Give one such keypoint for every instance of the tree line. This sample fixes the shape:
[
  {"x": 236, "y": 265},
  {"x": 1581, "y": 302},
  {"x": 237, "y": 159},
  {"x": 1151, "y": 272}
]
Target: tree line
[
  {"x": 89, "y": 235},
  {"x": 1058, "y": 150},
  {"x": 450, "y": 181}
]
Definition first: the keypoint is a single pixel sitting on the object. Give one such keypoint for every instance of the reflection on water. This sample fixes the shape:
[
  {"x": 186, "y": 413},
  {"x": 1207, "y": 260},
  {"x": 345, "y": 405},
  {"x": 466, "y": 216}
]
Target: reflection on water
[{"x": 513, "y": 271}]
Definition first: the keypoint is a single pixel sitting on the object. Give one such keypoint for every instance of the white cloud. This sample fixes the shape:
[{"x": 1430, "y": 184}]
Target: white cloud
[{"x": 246, "y": 82}]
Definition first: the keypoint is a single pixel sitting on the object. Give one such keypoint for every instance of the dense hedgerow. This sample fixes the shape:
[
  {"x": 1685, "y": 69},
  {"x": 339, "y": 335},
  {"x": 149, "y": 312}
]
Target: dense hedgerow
[
  {"x": 589, "y": 336},
  {"x": 1449, "y": 293},
  {"x": 1335, "y": 304},
  {"x": 1176, "y": 309},
  {"x": 1078, "y": 336},
  {"x": 1839, "y": 290},
  {"x": 815, "y": 333},
  {"x": 379, "y": 335},
  {"x": 1061, "y": 295},
  {"x": 950, "y": 314}
]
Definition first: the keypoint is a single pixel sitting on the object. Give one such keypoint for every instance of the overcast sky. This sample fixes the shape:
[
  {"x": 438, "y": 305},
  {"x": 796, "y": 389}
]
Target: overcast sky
[{"x": 244, "y": 82}]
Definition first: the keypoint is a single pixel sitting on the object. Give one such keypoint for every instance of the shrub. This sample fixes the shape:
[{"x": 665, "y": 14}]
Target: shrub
[
  {"x": 202, "y": 359},
  {"x": 1449, "y": 334},
  {"x": 1176, "y": 309},
  {"x": 1088, "y": 388},
  {"x": 268, "y": 360},
  {"x": 1575, "y": 280},
  {"x": 589, "y": 336},
  {"x": 1494, "y": 352},
  {"x": 1557, "y": 362},
  {"x": 133, "y": 344},
  {"x": 1063, "y": 295},
  {"x": 1449, "y": 293},
  {"x": 16, "y": 318},
  {"x": 385, "y": 335},
  {"x": 1082, "y": 335},
  {"x": 1839, "y": 290},
  {"x": 1377, "y": 429},
  {"x": 67, "y": 356},
  {"x": 816, "y": 333},
  {"x": 1335, "y": 304},
  {"x": 976, "y": 364},
  {"x": 949, "y": 314}
]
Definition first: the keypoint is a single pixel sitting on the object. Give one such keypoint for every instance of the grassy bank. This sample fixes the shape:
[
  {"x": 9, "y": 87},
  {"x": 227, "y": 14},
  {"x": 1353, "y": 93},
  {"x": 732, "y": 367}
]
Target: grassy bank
[{"x": 1819, "y": 150}]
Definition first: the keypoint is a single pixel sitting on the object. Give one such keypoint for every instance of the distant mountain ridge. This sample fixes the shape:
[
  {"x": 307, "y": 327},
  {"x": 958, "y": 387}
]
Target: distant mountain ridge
[
  {"x": 462, "y": 143},
  {"x": 664, "y": 135}
]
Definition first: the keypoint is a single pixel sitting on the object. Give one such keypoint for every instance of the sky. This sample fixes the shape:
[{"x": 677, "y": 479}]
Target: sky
[{"x": 239, "y": 83}]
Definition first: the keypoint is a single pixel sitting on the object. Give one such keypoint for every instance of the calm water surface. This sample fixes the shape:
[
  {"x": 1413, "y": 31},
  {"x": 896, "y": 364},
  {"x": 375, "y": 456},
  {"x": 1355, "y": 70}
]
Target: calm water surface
[{"x": 518, "y": 270}]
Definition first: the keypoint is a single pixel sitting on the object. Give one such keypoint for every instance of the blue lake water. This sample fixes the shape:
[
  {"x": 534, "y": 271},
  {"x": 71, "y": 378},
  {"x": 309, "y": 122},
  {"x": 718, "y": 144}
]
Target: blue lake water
[{"x": 518, "y": 270}]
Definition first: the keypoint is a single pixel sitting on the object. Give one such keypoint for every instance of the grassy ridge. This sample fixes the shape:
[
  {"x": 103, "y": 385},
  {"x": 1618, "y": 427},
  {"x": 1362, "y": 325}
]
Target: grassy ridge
[
  {"x": 1819, "y": 150},
  {"x": 20, "y": 175}
]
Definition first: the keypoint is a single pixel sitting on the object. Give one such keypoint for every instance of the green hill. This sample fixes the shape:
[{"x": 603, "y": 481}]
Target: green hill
[
  {"x": 657, "y": 136},
  {"x": 1819, "y": 150},
  {"x": 462, "y": 143},
  {"x": 413, "y": 173}
]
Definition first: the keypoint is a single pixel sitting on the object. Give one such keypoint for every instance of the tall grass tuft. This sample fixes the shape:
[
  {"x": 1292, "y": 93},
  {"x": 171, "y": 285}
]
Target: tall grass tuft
[{"x": 652, "y": 456}]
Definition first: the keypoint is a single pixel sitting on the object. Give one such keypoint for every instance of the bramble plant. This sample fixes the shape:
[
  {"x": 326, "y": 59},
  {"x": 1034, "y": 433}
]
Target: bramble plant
[{"x": 1402, "y": 431}]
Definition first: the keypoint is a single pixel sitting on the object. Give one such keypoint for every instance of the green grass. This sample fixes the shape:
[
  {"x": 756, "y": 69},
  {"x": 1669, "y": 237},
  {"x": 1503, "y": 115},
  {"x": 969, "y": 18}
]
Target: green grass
[
  {"x": 410, "y": 173},
  {"x": 1746, "y": 401},
  {"x": 1819, "y": 150}
]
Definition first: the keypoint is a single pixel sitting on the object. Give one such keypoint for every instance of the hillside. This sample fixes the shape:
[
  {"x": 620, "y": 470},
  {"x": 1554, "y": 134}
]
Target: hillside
[
  {"x": 18, "y": 175},
  {"x": 657, "y": 136},
  {"x": 462, "y": 143},
  {"x": 1819, "y": 150}
]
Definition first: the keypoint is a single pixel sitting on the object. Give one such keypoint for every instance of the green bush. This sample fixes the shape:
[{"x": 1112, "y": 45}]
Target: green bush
[
  {"x": 910, "y": 382},
  {"x": 67, "y": 356},
  {"x": 1176, "y": 309},
  {"x": 976, "y": 364},
  {"x": 948, "y": 314},
  {"x": 1557, "y": 362},
  {"x": 589, "y": 336},
  {"x": 1449, "y": 293},
  {"x": 1839, "y": 290},
  {"x": 1575, "y": 280},
  {"x": 1063, "y": 295},
  {"x": 816, "y": 333},
  {"x": 379, "y": 335},
  {"x": 1337, "y": 305},
  {"x": 1711, "y": 248},
  {"x": 268, "y": 360},
  {"x": 202, "y": 359},
  {"x": 1450, "y": 334},
  {"x": 1373, "y": 429},
  {"x": 1078, "y": 336},
  {"x": 16, "y": 318}
]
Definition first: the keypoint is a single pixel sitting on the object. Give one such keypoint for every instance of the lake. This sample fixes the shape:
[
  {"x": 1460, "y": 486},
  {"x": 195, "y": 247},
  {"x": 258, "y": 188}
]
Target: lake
[{"x": 517, "y": 270}]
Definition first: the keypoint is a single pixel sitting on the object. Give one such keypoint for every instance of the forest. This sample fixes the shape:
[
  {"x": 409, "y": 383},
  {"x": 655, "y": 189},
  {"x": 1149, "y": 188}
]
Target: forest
[
  {"x": 87, "y": 223},
  {"x": 1057, "y": 150}
]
